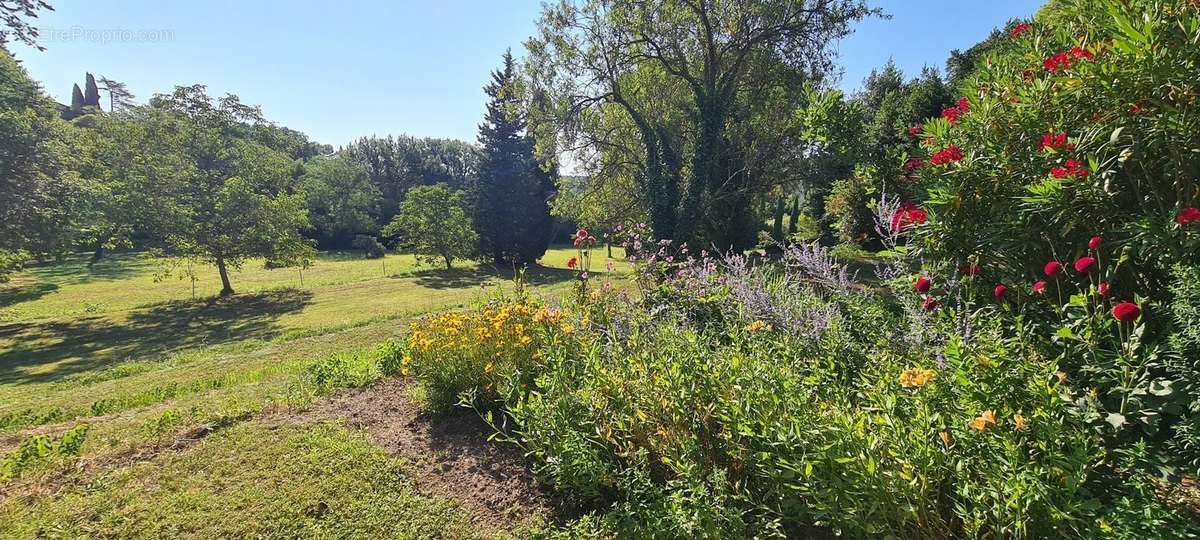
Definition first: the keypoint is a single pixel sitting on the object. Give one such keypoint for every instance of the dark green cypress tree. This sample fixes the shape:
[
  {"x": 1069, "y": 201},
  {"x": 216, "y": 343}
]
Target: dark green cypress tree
[
  {"x": 91, "y": 93},
  {"x": 76, "y": 101},
  {"x": 512, "y": 192},
  {"x": 795, "y": 216},
  {"x": 777, "y": 227}
]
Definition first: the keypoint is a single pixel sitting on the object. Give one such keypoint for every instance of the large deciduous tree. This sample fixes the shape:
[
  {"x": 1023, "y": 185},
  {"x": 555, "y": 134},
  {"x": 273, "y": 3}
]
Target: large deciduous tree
[
  {"x": 698, "y": 83},
  {"x": 36, "y": 185},
  {"x": 512, "y": 191},
  {"x": 231, "y": 198}
]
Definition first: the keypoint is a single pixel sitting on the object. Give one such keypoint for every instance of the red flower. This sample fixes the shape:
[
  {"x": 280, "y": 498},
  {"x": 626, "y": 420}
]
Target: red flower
[
  {"x": 964, "y": 106},
  {"x": 907, "y": 215},
  {"x": 1074, "y": 167},
  {"x": 929, "y": 304},
  {"x": 916, "y": 129},
  {"x": 1188, "y": 215},
  {"x": 923, "y": 284},
  {"x": 913, "y": 163},
  {"x": 1126, "y": 312},
  {"x": 1085, "y": 265},
  {"x": 1039, "y": 287},
  {"x": 1102, "y": 288},
  {"x": 1135, "y": 108},
  {"x": 947, "y": 155},
  {"x": 571, "y": 262},
  {"x": 950, "y": 114},
  {"x": 1052, "y": 140},
  {"x": 578, "y": 241},
  {"x": 1019, "y": 29},
  {"x": 1052, "y": 269},
  {"x": 1095, "y": 242},
  {"x": 999, "y": 291},
  {"x": 1080, "y": 53},
  {"x": 582, "y": 233},
  {"x": 1058, "y": 62}
]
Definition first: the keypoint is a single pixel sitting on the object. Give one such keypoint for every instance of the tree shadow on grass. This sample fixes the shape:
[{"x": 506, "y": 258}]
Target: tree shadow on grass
[
  {"x": 48, "y": 351},
  {"x": 14, "y": 294},
  {"x": 74, "y": 268},
  {"x": 459, "y": 278}
]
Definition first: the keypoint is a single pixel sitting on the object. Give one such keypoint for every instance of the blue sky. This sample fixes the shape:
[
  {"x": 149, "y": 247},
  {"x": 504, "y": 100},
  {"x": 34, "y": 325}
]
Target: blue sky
[{"x": 338, "y": 70}]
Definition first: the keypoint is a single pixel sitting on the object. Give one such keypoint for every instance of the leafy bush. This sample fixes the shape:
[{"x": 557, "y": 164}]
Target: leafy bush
[
  {"x": 369, "y": 245},
  {"x": 475, "y": 357},
  {"x": 736, "y": 400},
  {"x": 1076, "y": 143},
  {"x": 41, "y": 448}
]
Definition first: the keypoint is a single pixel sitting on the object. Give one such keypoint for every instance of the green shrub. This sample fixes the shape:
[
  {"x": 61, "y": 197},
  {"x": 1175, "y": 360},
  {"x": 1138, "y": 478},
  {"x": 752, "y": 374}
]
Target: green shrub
[
  {"x": 475, "y": 357},
  {"x": 38, "y": 449},
  {"x": 369, "y": 245}
]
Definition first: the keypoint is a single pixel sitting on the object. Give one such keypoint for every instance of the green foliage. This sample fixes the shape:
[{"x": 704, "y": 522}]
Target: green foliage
[
  {"x": 511, "y": 195},
  {"x": 850, "y": 204},
  {"x": 476, "y": 358},
  {"x": 230, "y": 199},
  {"x": 40, "y": 448},
  {"x": 369, "y": 245},
  {"x": 692, "y": 115},
  {"x": 1076, "y": 128},
  {"x": 433, "y": 222},
  {"x": 36, "y": 187},
  {"x": 342, "y": 201},
  {"x": 397, "y": 164}
]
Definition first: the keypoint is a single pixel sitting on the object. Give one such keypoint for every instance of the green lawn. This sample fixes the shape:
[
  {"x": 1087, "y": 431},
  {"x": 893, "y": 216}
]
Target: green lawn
[{"x": 139, "y": 361}]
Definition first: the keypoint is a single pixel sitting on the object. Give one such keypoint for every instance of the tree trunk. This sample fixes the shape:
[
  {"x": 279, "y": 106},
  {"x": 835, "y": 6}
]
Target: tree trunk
[
  {"x": 97, "y": 254},
  {"x": 226, "y": 288},
  {"x": 448, "y": 266}
]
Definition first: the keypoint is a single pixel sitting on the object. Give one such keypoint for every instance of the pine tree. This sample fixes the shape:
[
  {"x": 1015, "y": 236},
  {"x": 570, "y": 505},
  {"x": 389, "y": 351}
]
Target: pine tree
[
  {"x": 76, "y": 101},
  {"x": 512, "y": 214},
  {"x": 91, "y": 93}
]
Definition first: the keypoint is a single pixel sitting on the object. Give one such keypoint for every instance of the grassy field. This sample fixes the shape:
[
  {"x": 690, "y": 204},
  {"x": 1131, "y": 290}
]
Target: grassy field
[{"x": 136, "y": 359}]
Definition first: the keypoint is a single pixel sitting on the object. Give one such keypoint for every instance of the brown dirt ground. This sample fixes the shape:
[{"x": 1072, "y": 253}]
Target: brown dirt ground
[{"x": 451, "y": 457}]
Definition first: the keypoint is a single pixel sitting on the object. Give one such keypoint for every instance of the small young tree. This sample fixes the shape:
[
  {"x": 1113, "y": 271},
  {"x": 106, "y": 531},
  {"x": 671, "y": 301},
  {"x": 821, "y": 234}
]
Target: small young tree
[{"x": 433, "y": 221}]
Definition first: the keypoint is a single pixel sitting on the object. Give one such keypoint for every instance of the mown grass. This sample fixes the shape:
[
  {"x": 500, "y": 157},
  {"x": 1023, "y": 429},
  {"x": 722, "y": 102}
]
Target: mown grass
[
  {"x": 47, "y": 360},
  {"x": 142, "y": 364},
  {"x": 250, "y": 481}
]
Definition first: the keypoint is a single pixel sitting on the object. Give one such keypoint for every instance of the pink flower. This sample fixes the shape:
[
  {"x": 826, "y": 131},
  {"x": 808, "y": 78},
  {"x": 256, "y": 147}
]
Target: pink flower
[
  {"x": 999, "y": 291},
  {"x": 923, "y": 284},
  {"x": 929, "y": 304},
  {"x": 1039, "y": 287},
  {"x": 1052, "y": 269},
  {"x": 1102, "y": 288},
  {"x": 1095, "y": 242},
  {"x": 1019, "y": 29},
  {"x": 1085, "y": 265}
]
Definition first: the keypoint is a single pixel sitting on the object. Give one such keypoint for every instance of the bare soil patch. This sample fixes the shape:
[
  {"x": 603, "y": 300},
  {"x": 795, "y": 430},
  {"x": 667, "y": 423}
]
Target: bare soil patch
[{"x": 451, "y": 457}]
